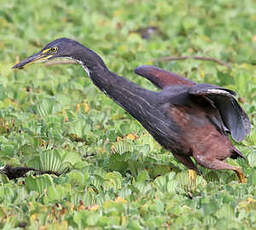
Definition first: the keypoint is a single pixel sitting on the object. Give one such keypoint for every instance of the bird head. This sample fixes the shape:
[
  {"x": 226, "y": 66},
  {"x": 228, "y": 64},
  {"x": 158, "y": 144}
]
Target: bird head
[{"x": 59, "y": 48}]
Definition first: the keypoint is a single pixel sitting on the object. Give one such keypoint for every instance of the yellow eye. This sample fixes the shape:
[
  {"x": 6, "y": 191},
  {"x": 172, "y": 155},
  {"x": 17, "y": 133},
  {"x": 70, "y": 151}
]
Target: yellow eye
[{"x": 54, "y": 49}]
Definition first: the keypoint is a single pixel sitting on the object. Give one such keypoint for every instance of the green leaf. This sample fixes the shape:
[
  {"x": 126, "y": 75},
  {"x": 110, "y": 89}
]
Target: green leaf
[
  {"x": 39, "y": 183},
  {"x": 50, "y": 161},
  {"x": 252, "y": 159}
]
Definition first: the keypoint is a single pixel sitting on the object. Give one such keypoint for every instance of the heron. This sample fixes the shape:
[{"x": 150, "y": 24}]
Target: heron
[{"x": 193, "y": 121}]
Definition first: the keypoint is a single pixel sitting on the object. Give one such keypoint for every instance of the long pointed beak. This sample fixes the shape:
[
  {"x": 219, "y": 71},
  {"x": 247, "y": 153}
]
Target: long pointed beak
[{"x": 35, "y": 57}]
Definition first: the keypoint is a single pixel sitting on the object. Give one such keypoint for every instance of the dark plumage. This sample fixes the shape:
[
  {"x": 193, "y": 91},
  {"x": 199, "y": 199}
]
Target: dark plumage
[{"x": 189, "y": 119}]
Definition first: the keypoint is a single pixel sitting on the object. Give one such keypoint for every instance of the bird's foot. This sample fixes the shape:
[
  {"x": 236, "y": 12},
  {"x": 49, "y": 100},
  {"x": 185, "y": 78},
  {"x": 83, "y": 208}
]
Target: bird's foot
[
  {"x": 192, "y": 174},
  {"x": 240, "y": 175}
]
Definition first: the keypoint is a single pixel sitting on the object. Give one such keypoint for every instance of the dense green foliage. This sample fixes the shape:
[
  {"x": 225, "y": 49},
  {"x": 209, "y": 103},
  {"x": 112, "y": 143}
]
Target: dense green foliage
[{"x": 115, "y": 175}]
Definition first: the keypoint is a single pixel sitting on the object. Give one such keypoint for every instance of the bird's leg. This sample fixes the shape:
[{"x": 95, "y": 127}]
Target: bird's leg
[
  {"x": 216, "y": 164},
  {"x": 186, "y": 160},
  {"x": 240, "y": 175},
  {"x": 192, "y": 175}
]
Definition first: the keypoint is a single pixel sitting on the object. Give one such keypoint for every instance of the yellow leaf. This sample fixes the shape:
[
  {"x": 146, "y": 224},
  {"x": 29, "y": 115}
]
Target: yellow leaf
[
  {"x": 202, "y": 73},
  {"x": 149, "y": 62},
  {"x": 33, "y": 217},
  {"x": 131, "y": 136},
  {"x": 44, "y": 227},
  {"x": 85, "y": 107},
  {"x": 251, "y": 200},
  {"x": 120, "y": 200},
  {"x": 77, "y": 107},
  {"x": 118, "y": 138},
  {"x": 93, "y": 207},
  {"x": 117, "y": 13}
]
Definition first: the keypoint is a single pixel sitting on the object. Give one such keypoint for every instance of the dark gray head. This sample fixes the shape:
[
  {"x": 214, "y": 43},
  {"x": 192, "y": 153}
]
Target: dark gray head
[{"x": 62, "y": 47}]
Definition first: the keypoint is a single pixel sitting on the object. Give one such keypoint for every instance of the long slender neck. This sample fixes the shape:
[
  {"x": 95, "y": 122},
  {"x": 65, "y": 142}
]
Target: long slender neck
[
  {"x": 142, "y": 104},
  {"x": 126, "y": 93}
]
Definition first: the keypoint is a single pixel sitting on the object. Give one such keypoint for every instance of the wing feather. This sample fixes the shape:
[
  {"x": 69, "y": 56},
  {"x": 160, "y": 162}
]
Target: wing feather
[
  {"x": 162, "y": 78},
  {"x": 233, "y": 116}
]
